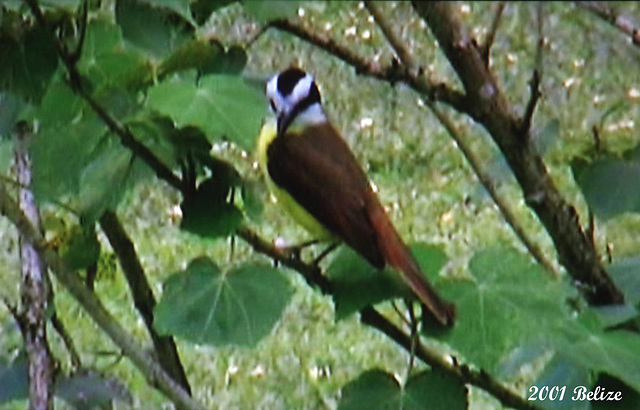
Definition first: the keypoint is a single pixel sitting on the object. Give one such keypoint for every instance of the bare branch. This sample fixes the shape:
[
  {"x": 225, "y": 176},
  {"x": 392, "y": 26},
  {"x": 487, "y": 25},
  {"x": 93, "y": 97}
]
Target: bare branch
[
  {"x": 485, "y": 49},
  {"x": 536, "y": 76},
  {"x": 370, "y": 316},
  {"x": 403, "y": 53},
  {"x": 389, "y": 73},
  {"x": 142, "y": 295},
  {"x": 486, "y": 180},
  {"x": 488, "y": 106},
  {"x": 608, "y": 13}
]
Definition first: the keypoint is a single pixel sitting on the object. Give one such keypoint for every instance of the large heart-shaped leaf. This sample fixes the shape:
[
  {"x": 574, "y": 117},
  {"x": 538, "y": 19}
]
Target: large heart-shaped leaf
[
  {"x": 223, "y": 106},
  {"x": 205, "y": 305}
]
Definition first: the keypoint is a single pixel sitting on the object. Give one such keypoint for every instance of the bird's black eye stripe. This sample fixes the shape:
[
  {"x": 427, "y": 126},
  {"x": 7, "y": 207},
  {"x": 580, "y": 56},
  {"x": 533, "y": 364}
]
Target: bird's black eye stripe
[
  {"x": 288, "y": 79},
  {"x": 273, "y": 104}
]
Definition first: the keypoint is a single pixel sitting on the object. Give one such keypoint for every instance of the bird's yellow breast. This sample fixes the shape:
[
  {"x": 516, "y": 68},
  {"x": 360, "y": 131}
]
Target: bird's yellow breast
[{"x": 268, "y": 133}]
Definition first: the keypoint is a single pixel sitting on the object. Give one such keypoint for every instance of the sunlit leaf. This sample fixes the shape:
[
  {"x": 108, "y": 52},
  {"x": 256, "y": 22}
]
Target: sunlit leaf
[
  {"x": 205, "y": 305},
  {"x": 223, "y": 106},
  {"x": 376, "y": 389},
  {"x": 357, "y": 284},
  {"x": 180, "y": 7}
]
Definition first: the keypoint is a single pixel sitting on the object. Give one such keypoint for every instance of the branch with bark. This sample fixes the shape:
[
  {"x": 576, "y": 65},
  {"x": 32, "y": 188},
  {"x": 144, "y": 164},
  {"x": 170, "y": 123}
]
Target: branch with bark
[{"x": 611, "y": 15}]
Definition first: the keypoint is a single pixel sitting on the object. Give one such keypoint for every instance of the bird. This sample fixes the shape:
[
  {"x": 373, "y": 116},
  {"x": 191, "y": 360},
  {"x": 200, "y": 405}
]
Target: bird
[{"x": 317, "y": 180}]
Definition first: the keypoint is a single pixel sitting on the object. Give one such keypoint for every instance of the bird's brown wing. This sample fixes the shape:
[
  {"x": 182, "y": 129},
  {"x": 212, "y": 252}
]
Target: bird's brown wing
[{"x": 320, "y": 172}]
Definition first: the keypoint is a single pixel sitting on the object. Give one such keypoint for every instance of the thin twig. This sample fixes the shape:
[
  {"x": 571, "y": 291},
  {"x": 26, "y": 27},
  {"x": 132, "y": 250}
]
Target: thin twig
[
  {"x": 388, "y": 29},
  {"x": 608, "y": 13},
  {"x": 536, "y": 76},
  {"x": 485, "y": 49}
]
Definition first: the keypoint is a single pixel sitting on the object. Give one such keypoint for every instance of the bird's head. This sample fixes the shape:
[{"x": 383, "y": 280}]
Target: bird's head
[{"x": 294, "y": 96}]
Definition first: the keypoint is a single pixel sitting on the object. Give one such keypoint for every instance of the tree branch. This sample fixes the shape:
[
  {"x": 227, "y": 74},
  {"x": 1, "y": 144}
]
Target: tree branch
[
  {"x": 391, "y": 73},
  {"x": 612, "y": 16},
  {"x": 485, "y": 49},
  {"x": 34, "y": 287},
  {"x": 489, "y": 107},
  {"x": 370, "y": 316},
  {"x": 146, "y": 363},
  {"x": 142, "y": 295}
]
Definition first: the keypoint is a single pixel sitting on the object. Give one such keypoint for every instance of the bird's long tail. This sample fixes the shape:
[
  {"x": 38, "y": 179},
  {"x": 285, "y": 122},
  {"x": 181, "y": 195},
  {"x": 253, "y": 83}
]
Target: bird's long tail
[{"x": 398, "y": 255}]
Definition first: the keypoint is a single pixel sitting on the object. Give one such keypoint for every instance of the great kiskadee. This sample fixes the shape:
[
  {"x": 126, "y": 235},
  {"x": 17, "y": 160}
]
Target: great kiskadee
[{"x": 316, "y": 178}]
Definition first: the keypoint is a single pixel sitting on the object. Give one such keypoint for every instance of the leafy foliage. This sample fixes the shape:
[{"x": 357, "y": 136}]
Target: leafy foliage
[
  {"x": 206, "y": 305},
  {"x": 376, "y": 389}
]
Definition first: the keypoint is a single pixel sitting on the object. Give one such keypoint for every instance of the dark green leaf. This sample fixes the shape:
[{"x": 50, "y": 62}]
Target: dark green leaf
[
  {"x": 10, "y": 107},
  {"x": 202, "y": 9},
  {"x": 561, "y": 372},
  {"x": 357, "y": 284},
  {"x": 376, "y": 389},
  {"x": 88, "y": 390},
  {"x": 205, "y": 305},
  {"x": 149, "y": 28},
  {"x": 522, "y": 356},
  {"x": 232, "y": 61},
  {"x": 609, "y": 184},
  {"x": 14, "y": 380},
  {"x": 372, "y": 390},
  {"x": 79, "y": 247},
  {"x": 613, "y": 315},
  {"x": 223, "y": 106},
  {"x": 191, "y": 54},
  {"x": 208, "y": 213},
  {"x": 265, "y": 11},
  {"x": 497, "y": 307},
  {"x": 27, "y": 63}
]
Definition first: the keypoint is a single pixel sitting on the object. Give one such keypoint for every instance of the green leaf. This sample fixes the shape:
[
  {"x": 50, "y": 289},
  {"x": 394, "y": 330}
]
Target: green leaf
[
  {"x": 561, "y": 372},
  {"x": 497, "y": 307},
  {"x": 28, "y": 62},
  {"x": 232, "y": 61},
  {"x": 205, "y": 305},
  {"x": 180, "y": 7},
  {"x": 88, "y": 390},
  {"x": 208, "y": 213},
  {"x": 60, "y": 153},
  {"x": 106, "y": 178},
  {"x": 107, "y": 62},
  {"x": 376, "y": 389},
  {"x": 626, "y": 275},
  {"x": 609, "y": 183},
  {"x": 149, "y": 28},
  {"x": 191, "y": 54},
  {"x": 265, "y": 11},
  {"x": 10, "y": 107},
  {"x": 79, "y": 247},
  {"x": 14, "y": 380},
  {"x": 613, "y": 352},
  {"x": 223, "y": 106},
  {"x": 357, "y": 284}
]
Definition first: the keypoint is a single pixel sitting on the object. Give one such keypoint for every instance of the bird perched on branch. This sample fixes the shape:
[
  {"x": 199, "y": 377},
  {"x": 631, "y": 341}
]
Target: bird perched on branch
[{"x": 316, "y": 179}]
